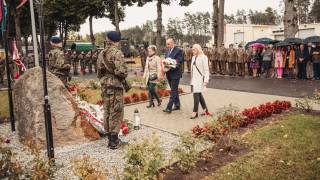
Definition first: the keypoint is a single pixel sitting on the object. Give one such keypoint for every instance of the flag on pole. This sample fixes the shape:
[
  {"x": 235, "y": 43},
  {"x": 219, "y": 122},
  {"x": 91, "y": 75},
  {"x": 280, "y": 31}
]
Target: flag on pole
[
  {"x": 18, "y": 64},
  {"x": 21, "y": 4}
]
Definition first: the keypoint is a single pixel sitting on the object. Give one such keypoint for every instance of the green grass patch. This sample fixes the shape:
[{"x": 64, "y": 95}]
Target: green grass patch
[
  {"x": 288, "y": 149},
  {"x": 4, "y": 107}
]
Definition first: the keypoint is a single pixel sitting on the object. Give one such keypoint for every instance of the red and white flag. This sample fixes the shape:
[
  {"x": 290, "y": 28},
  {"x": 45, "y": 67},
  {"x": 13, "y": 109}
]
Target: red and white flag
[
  {"x": 21, "y": 4},
  {"x": 20, "y": 67}
]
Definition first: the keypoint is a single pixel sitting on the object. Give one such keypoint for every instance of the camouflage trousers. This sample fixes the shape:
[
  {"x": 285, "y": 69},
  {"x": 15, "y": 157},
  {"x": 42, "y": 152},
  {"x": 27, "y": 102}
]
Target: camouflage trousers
[
  {"x": 2, "y": 73},
  {"x": 113, "y": 109}
]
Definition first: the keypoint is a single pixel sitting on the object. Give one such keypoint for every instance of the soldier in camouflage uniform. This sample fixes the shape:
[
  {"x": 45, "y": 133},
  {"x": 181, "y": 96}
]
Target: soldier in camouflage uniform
[
  {"x": 143, "y": 56},
  {"x": 57, "y": 62},
  {"x": 112, "y": 71},
  {"x": 81, "y": 58},
  {"x": 75, "y": 63},
  {"x": 241, "y": 60},
  {"x": 88, "y": 60},
  {"x": 214, "y": 59},
  {"x": 187, "y": 57},
  {"x": 222, "y": 59},
  {"x": 94, "y": 60},
  {"x": 232, "y": 59}
]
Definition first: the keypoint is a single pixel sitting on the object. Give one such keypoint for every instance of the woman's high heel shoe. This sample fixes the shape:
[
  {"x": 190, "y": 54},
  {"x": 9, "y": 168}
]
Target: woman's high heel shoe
[
  {"x": 194, "y": 117},
  {"x": 151, "y": 105}
]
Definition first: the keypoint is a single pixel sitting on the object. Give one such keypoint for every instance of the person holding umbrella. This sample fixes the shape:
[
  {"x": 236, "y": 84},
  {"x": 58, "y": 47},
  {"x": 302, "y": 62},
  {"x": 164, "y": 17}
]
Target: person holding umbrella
[
  {"x": 301, "y": 56},
  {"x": 254, "y": 61},
  {"x": 316, "y": 63}
]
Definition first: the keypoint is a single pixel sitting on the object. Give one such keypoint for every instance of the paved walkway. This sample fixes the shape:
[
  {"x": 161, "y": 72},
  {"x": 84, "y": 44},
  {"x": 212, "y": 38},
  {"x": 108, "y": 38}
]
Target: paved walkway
[{"x": 179, "y": 121}]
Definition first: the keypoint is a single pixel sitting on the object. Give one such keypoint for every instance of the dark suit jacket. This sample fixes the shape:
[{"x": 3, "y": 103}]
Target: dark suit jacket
[
  {"x": 176, "y": 54},
  {"x": 308, "y": 54},
  {"x": 301, "y": 54}
]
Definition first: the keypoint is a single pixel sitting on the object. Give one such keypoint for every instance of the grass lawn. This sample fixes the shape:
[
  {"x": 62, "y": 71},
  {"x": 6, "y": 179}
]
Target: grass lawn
[
  {"x": 287, "y": 149},
  {"x": 4, "y": 108}
]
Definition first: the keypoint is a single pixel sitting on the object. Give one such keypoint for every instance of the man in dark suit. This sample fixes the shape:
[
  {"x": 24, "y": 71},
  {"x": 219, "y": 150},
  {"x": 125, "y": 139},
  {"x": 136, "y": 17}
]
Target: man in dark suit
[
  {"x": 174, "y": 75},
  {"x": 301, "y": 56},
  {"x": 309, "y": 60}
]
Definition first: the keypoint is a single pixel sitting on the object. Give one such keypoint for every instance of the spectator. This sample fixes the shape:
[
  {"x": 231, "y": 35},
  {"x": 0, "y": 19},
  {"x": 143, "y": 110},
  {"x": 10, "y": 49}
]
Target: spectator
[
  {"x": 267, "y": 58},
  {"x": 309, "y": 70},
  {"x": 301, "y": 56},
  {"x": 291, "y": 61},
  {"x": 199, "y": 79},
  {"x": 254, "y": 61},
  {"x": 316, "y": 63},
  {"x": 279, "y": 64},
  {"x": 152, "y": 73}
]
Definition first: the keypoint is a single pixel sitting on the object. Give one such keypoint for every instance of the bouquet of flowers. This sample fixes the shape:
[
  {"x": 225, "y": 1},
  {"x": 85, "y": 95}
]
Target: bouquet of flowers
[{"x": 168, "y": 64}]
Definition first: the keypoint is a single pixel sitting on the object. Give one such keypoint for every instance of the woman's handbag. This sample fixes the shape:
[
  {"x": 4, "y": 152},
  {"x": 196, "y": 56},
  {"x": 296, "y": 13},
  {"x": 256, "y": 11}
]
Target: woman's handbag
[{"x": 153, "y": 77}]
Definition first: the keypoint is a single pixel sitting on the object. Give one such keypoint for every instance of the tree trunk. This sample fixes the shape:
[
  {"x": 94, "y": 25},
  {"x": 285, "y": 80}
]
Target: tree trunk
[
  {"x": 290, "y": 19},
  {"x": 215, "y": 20},
  {"x": 91, "y": 32},
  {"x": 221, "y": 23},
  {"x": 116, "y": 16},
  {"x": 65, "y": 29},
  {"x": 159, "y": 24},
  {"x": 18, "y": 31}
]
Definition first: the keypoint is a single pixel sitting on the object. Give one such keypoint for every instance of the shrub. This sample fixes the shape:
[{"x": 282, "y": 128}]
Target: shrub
[
  {"x": 186, "y": 152},
  {"x": 306, "y": 104},
  {"x": 135, "y": 97},
  {"x": 144, "y": 96},
  {"x": 88, "y": 168},
  {"x": 10, "y": 168},
  {"x": 94, "y": 84},
  {"x": 127, "y": 100},
  {"x": 100, "y": 102},
  {"x": 162, "y": 84},
  {"x": 143, "y": 159}
]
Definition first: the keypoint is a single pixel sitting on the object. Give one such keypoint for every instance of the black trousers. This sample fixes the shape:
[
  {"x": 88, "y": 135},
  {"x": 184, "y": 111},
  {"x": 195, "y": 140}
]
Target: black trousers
[
  {"x": 302, "y": 70},
  {"x": 174, "y": 96},
  {"x": 198, "y": 98}
]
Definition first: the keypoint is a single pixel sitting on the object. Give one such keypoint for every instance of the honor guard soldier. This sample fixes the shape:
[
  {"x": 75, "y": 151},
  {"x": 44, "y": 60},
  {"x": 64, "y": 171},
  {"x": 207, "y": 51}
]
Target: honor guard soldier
[
  {"x": 222, "y": 59},
  {"x": 241, "y": 60},
  {"x": 57, "y": 63},
  {"x": 232, "y": 58},
  {"x": 112, "y": 73}
]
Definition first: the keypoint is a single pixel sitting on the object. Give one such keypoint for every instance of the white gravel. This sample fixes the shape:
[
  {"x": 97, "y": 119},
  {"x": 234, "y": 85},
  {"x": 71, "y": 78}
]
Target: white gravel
[{"x": 110, "y": 159}]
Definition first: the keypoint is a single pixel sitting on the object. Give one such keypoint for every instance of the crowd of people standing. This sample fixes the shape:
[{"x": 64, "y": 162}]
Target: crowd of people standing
[{"x": 292, "y": 61}]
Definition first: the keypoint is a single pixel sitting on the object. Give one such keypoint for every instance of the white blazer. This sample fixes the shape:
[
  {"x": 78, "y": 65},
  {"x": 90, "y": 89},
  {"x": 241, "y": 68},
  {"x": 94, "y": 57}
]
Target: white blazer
[{"x": 199, "y": 78}]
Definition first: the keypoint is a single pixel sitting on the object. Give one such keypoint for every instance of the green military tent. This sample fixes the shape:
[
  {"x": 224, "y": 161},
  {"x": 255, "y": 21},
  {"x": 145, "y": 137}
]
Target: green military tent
[{"x": 81, "y": 46}]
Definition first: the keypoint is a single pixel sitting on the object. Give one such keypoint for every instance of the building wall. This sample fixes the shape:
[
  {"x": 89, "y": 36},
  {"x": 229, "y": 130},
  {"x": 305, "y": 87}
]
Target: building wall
[{"x": 244, "y": 33}]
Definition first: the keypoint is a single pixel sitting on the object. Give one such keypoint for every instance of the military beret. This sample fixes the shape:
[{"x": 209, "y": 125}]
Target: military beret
[
  {"x": 114, "y": 36},
  {"x": 55, "y": 40}
]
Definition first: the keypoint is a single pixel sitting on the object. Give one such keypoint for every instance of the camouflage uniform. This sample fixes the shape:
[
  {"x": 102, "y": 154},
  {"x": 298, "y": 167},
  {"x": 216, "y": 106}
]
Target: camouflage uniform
[
  {"x": 214, "y": 60},
  {"x": 241, "y": 61},
  {"x": 187, "y": 57},
  {"x": 222, "y": 59},
  {"x": 88, "y": 60},
  {"x": 143, "y": 56},
  {"x": 94, "y": 61},
  {"x": 81, "y": 58},
  {"x": 232, "y": 58},
  {"x": 75, "y": 63},
  {"x": 29, "y": 61},
  {"x": 112, "y": 71},
  {"x": 58, "y": 65}
]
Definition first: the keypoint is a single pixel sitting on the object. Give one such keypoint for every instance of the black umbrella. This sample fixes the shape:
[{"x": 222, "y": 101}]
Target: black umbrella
[
  {"x": 312, "y": 39},
  {"x": 264, "y": 40},
  {"x": 283, "y": 43},
  {"x": 296, "y": 41}
]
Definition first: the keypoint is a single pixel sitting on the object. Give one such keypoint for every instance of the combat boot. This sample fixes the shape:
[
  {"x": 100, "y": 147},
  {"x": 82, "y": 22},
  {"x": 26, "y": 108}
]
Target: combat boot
[{"x": 114, "y": 141}]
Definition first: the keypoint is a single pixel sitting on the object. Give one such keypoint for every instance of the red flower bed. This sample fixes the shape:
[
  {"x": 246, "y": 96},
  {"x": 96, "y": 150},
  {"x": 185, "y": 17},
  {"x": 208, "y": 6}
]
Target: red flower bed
[
  {"x": 229, "y": 121},
  {"x": 180, "y": 91},
  {"x": 144, "y": 96},
  {"x": 160, "y": 92},
  {"x": 166, "y": 93},
  {"x": 127, "y": 100},
  {"x": 135, "y": 97}
]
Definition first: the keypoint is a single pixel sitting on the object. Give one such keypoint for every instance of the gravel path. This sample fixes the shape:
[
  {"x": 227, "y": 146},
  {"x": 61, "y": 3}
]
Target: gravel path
[{"x": 110, "y": 159}]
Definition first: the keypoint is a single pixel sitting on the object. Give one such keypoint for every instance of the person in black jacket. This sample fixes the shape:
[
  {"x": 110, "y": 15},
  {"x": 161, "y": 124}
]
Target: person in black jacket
[
  {"x": 174, "y": 75},
  {"x": 301, "y": 56}
]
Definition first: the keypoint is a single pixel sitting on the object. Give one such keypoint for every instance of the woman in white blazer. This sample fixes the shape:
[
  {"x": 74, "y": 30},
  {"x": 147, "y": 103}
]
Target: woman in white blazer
[
  {"x": 152, "y": 75},
  {"x": 199, "y": 79}
]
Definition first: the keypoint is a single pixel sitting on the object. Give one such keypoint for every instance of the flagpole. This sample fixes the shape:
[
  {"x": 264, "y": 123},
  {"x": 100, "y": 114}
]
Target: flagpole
[
  {"x": 34, "y": 35},
  {"x": 47, "y": 109}
]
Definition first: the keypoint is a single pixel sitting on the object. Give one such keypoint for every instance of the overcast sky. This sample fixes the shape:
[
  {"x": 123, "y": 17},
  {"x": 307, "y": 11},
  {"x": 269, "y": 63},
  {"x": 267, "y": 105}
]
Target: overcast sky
[{"x": 139, "y": 15}]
